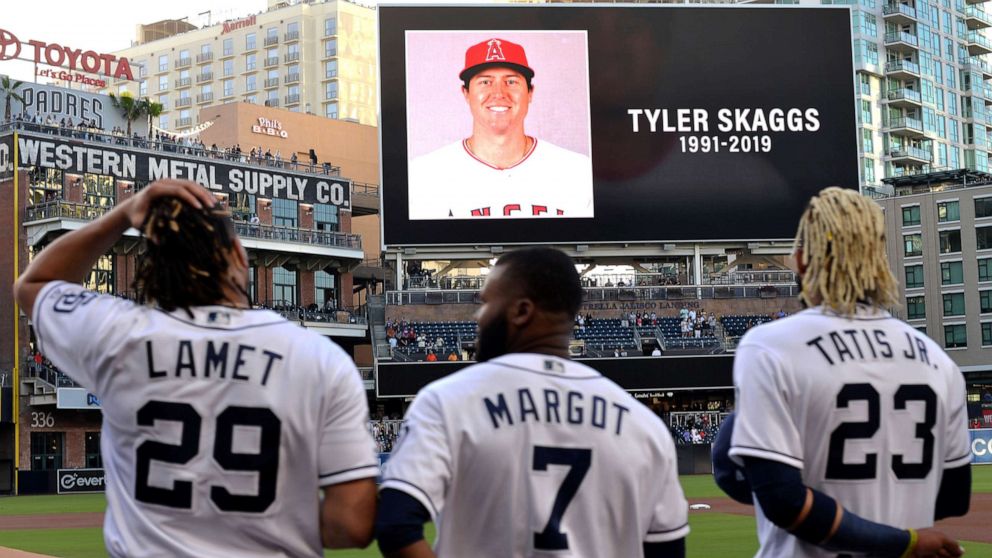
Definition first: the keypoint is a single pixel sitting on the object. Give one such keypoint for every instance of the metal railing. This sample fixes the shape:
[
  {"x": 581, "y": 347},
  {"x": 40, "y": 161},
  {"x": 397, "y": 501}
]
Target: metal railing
[
  {"x": 138, "y": 142},
  {"x": 607, "y": 294},
  {"x": 48, "y": 374},
  {"x": 904, "y": 94},
  {"x": 314, "y": 314},
  {"x": 906, "y": 122},
  {"x": 63, "y": 210},
  {"x": 901, "y": 37},
  {"x": 895, "y": 8},
  {"x": 914, "y": 152},
  {"x": 204, "y": 57},
  {"x": 902, "y": 66}
]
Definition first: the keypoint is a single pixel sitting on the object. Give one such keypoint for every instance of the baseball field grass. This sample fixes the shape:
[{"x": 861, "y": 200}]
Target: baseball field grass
[{"x": 713, "y": 534}]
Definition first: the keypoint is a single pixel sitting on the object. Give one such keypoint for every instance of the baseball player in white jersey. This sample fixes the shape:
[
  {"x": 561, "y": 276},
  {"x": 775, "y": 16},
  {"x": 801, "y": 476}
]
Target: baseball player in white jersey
[
  {"x": 499, "y": 171},
  {"x": 529, "y": 453},
  {"x": 851, "y": 425},
  {"x": 221, "y": 423}
]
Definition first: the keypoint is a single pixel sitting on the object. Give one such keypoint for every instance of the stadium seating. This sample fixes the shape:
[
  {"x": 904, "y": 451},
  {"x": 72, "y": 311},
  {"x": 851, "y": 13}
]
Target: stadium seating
[{"x": 736, "y": 325}]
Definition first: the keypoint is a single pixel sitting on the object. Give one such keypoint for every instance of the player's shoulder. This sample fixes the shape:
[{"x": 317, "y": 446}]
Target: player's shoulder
[
  {"x": 545, "y": 150},
  {"x": 443, "y": 155}
]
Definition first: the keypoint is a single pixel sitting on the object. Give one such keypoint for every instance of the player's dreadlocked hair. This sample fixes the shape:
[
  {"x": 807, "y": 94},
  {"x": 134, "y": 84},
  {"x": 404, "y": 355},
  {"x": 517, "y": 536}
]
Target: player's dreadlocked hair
[
  {"x": 842, "y": 236},
  {"x": 186, "y": 256}
]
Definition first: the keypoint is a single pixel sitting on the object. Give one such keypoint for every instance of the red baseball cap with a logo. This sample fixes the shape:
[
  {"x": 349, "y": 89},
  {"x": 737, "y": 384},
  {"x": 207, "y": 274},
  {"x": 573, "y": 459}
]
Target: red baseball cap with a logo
[{"x": 495, "y": 52}]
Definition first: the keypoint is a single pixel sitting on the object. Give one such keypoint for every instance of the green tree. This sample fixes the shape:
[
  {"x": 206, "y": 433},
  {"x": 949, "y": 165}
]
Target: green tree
[
  {"x": 131, "y": 108},
  {"x": 9, "y": 88},
  {"x": 152, "y": 110}
]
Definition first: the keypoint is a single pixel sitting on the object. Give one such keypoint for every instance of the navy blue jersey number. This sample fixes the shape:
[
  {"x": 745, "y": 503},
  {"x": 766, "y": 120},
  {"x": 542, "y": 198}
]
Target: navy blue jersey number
[
  {"x": 578, "y": 460},
  {"x": 180, "y": 496},
  {"x": 838, "y": 470}
]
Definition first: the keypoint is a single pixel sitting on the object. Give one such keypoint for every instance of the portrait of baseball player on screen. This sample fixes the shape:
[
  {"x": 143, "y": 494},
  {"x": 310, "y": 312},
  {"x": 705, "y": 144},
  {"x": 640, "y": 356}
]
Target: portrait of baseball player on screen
[{"x": 499, "y": 167}]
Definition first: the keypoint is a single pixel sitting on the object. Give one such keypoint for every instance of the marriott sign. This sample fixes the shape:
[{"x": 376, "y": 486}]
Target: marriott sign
[{"x": 74, "y": 59}]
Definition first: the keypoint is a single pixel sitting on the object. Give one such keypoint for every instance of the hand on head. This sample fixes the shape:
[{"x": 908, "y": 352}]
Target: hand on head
[{"x": 189, "y": 192}]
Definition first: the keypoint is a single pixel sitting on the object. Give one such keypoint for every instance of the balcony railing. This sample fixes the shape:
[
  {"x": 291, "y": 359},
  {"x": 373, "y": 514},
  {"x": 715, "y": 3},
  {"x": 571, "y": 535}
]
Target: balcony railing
[
  {"x": 906, "y": 122},
  {"x": 292, "y": 36},
  {"x": 272, "y": 102},
  {"x": 183, "y": 82},
  {"x": 293, "y": 78},
  {"x": 901, "y": 37},
  {"x": 200, "y": 78},
  {"x": 902, "y": 66},
  {"x": 607, "y": 294},
  {"x": 904, "y": 94},
  {"x": 273, "y": 40},
  {"x": 183, "y": 122},
  {"x": 204, "y": 98},
  {"x": 271, "y": 82},
  {"x": 183, "y": 63},
  {"x": 271, "y": 61},
  {"x": 978, "y": 15},
  {"x": 891, "y": 9},
  {"x": 911, "y": 152},
  {"x": 976, "y": 39},
  {"x": 292, "y": 57},
  {"x": 136, "y": 142},
  {"x": 89, "y": 212},
  {"x": 204, "y": 57},
  {"x": 292, "y": 99},
  {"x": 184, "y": 101}
]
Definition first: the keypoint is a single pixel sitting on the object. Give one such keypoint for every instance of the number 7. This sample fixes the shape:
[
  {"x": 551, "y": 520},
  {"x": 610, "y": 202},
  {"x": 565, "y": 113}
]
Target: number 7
[{"x": 551, "y": 538}]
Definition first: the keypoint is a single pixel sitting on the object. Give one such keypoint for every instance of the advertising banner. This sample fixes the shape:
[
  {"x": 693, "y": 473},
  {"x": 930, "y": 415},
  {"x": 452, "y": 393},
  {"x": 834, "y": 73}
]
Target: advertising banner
[
  {"x": 75, "y": 398},
  {"x": 981, "y": 445},
  {"x": 6, "y": 156},
  {"x": 653, "y": 123},
  {"x": 71, "y": 105},
  {"x": 77, "y": 481},
  {"x": 220, "y": 176}
]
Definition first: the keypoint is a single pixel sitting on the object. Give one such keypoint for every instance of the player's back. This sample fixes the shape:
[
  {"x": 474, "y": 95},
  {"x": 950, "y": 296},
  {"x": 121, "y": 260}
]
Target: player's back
[
  {"x": 872, "y": 413},
  {"x": 214, "y": 427},
  {"x": 547, "y": 458}
]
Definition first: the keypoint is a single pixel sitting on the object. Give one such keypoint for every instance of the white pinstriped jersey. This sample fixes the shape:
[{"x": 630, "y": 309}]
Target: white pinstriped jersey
[
  {"x": 218, "y": 429},
  {"x": 533, "y": 455},
  {"x": 871, "y": 410},
  {"x": 451, "y": 183}
]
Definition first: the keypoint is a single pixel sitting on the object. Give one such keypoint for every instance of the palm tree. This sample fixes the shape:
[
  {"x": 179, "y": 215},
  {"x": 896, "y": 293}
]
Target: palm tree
[
  {"x": 131, "y": 108},
  {"x": 9, "y": 89},
  {"x": 151, "y": 110}
]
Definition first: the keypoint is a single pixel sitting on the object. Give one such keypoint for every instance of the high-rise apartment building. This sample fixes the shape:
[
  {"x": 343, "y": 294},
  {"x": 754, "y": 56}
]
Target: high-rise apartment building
[{"x": 315, "y": 57}]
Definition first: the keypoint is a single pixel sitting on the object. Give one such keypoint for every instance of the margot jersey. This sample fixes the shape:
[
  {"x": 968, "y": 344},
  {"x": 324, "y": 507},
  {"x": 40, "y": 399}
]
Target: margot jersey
[
  {"x": 549, "y": 182},
  {"x": 869, "y": 409},
  {"x": 533, "y": 455},
  {"x": 217, "y": 429}
]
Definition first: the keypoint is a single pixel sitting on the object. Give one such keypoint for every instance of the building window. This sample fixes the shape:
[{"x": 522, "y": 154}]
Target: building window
[
  {"x": 46, "y": 185},
  {"x": 865, "y": 112},
  {"x": 163, "y": 121},
  {"x": 950, "y": 241},
  {"x": 228, "y": 85},
  {"x": 331, "y": 90},
  {"x": 324, "y": 290},
  {"x": 250, "y": 41},
  {"x": 915, "y": 308},
  {"x": 331, "y": 69},
  {"x": 986, "y": 334},
  {"x": 250, "y": 83},
  {"x": 912, "y": 245},
  {"x": 184, "y": 56},
  {"x": 954, "y": 304},
  {"x": 46, "y": 450},
  {"x": 271, "y": 34},
  {"x": 948, "y": 211},
  {"x": 163, "y": 83},
  {"x": 91, "y": 448},
  {"x": 228, "y": 47},
  {"x": 163, "y": 63},
  {"x": 250, "y": 62},
  {"x": 283, "y": 287},
  {"x": 285, "y": 213},
  {"x": 330, "y": 26},
  {"x": 330, "y": 48},
  {"x": 983, "y": 207},
  {"x": 101, "y": 276},
  {"x": 985, "y": 269},
  {"x": 955, "y": 336},
  {"x": 325, "y": 217},
  {"x": 911, "y": 216},
  {"x": 914, "y": 276},
  {"x": 228, "y": 67},
  {"x": 985, "y": 301},
  {"x": 143, "y": 88},
  {"x": 951, "y": 273},
  {"x": 331, "y": 110},
  {"x": 983, "y": 237}
]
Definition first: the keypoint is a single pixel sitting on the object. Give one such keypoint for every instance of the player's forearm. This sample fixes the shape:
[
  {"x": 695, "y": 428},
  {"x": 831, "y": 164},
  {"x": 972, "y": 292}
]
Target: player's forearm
[
  {"x": 815, "y": 517},
  {"x": 71, "y": 257}
]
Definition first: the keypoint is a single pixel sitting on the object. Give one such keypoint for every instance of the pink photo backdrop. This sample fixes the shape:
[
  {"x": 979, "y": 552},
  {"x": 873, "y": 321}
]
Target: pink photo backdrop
[{"x": 438, "y": 115}]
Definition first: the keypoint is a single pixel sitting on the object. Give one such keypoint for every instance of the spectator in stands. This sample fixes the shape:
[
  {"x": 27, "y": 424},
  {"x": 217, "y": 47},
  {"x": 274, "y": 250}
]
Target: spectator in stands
[
  {"x": 656, "y": 351},
  {"x": 452, "y": 356},
  {"x": 439, "y": 343},
  {"x": 616, "y": 352},
  {"x": 392, "y": 342},
  {"x": 431, "y": 357}
]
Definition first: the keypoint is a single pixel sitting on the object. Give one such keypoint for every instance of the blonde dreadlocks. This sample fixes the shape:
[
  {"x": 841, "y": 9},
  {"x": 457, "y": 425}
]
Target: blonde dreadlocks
[{"x": 842, "y": 237}]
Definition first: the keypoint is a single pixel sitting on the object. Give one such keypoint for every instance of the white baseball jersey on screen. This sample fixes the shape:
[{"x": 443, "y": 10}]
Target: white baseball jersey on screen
[
  {"x": 452, "y": 183},
  {"x": 871, "y": 410},
  {"x": 217, "y": 429},
  {"x": 533, "y": 455}
]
